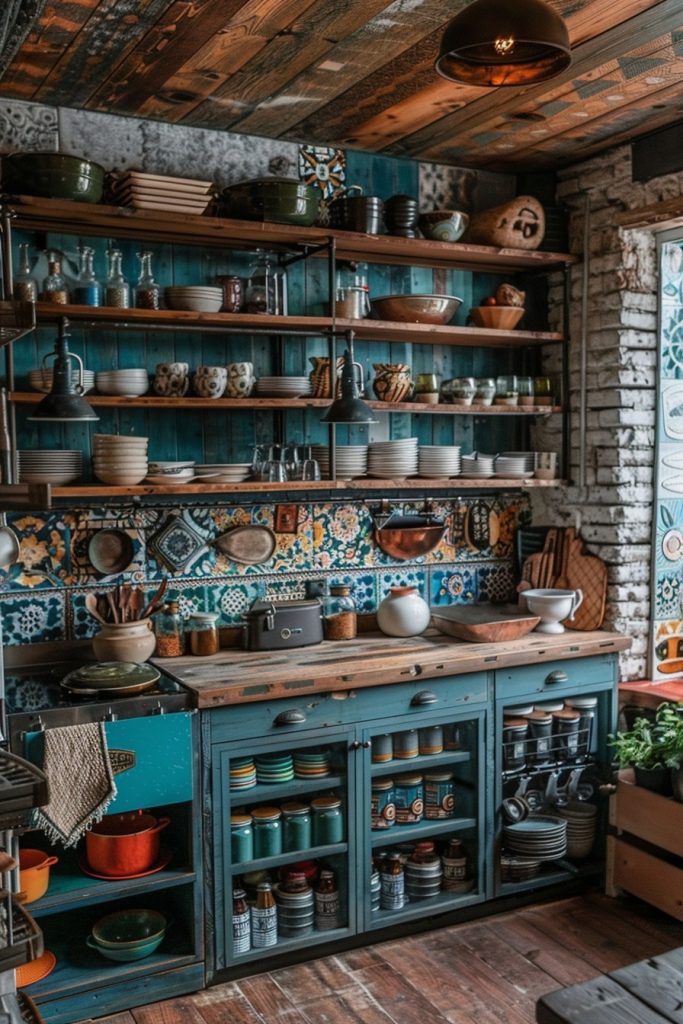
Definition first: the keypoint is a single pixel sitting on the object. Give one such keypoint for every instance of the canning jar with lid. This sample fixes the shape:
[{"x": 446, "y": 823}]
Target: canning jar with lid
[
  {"x": 241, "y": 838},
  {"x": 296, "y": 826},
  {"x": 202, "y": 631},
  {"x": 267, "y": 832},
  {"x": 328, "y": 822}
]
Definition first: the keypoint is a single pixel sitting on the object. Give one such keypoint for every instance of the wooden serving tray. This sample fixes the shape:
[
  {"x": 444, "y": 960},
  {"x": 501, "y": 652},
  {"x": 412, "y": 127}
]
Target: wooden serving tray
[{"x": 484, "y": 623}]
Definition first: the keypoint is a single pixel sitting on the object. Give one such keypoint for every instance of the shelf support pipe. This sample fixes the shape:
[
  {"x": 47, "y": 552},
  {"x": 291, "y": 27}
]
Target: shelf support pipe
[
  {"x": 583, "y": 364},
  {"x": 10, "y": 415},
  {"x": 332, "y": 350}
]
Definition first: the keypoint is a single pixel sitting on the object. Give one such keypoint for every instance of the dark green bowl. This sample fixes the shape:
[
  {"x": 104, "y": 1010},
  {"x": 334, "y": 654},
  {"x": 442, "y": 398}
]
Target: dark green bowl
[
  {"x": 279, "y": 200},
  {"x": 126, "y": 929},
  {"x": 53, "y": 176}
]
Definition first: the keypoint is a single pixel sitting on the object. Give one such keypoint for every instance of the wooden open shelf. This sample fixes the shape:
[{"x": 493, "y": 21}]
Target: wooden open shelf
[{"x": 62, "y": 215}]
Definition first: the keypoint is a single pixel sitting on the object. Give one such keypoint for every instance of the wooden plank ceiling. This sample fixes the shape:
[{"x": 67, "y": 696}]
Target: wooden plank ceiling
[{"x": 354, "y": 73}]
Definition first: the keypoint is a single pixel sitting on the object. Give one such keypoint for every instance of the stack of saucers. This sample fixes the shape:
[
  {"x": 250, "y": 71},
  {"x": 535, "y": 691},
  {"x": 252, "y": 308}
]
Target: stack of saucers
[
  {"x": 375, "y": 887},
  {"x": 41, "y": 380},
  {"x": 311, "y": 765},
  {"x": 540, "y": 836},
  {"x": 518, "y": 869},
  {"x": 128, "y": 383},
  {"x": 242, "y": 773},
  {"x": 515, "y": 465},
  {"x": 118, "y": 459},
  {"x": 196, "y": 298},
  {"x": 274, "y": 768},
  {"x": 169, "y": 472},
  {"x": 295, "y": 912},
  {"x": 423, "y": 881},
  {"x": 282, "y": 387},
  {"x": 50, "y": 466},
  {"x": 222, "y": 472},
  {"x": 160, "y": 192},
  {"x": 477, "y": 465},
  {"x": 351, "y": 460},
  {"x": 393, "y": 460},
  {"x": 580, "y": 818},
  {"x": 439, "y": 461}
]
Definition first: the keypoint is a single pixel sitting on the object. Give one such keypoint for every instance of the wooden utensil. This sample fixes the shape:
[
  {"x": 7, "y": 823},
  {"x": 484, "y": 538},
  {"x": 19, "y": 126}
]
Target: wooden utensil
[
  {"x": 587, "y": 573},
  {"x": 113, "y": 607},
  {"x": 91, "y": 605},
  {"x": 152, "y": 605}
]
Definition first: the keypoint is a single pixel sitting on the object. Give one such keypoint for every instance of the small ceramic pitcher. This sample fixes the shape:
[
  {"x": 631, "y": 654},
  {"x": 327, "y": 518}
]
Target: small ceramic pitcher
[
  {"x": 210, "y": 381},
  {"x": 392, "y": 382},
  {"x": 241, "y": 380},
  {"x": 171, "y": 379},
  {"x": 320, "y": 375}
]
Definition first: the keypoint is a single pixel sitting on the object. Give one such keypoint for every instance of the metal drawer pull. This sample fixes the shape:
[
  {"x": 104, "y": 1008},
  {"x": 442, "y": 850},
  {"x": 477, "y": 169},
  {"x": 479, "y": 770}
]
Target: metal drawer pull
[
  {"x": 367, "y": 744},
  {"x": 557, "y": 676},
  {"x": 424, "y": 697},
  {"x": 291, "y": 717}
]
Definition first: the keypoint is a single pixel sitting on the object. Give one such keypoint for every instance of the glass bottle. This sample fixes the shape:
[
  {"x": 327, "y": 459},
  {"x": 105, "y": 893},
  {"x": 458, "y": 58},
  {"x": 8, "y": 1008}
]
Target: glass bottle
[
  {"x": 326, "y": 896},
  {"x": 54, "y": 285},
  {"x": 203, "y": 633},
  {"x": 147, "y": 291},
  {"x": 340, "y": 614},
  {"x": 241, "y": 924},
  {"x": 264, "y": 917},
  {"x": 261, "y": 294},
  {"x": 88, "y": 291},
  {"x": 392, "y": 891},
  {"x": 116, "y": 289},
  {"x": 25, "y": 286},
  {"x": 169, "y": 631}
]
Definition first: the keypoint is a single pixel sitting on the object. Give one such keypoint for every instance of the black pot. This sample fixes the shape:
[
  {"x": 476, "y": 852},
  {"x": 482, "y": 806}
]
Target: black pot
[
  {"x": 657, "y": 780},
  {"x": 357, "y": 213}
]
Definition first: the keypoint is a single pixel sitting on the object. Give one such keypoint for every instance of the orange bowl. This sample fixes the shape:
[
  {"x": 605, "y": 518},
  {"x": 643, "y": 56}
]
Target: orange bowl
[
  {"x": 35, "y": 970},
  {"x": 502, "y": 318}
]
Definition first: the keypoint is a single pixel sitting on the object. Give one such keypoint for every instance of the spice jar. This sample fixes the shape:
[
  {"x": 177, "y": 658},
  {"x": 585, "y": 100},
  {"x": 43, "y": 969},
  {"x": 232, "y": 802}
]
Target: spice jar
[
  {"x": 25, "y": 287},
  {"x": 328, "y": 822},
  {"x": 264, "y": 917},
  {"x": 566, "y": 725},
  {"x": 410, "y": 801},
  {"x": 169, "y": 631},
  {"x": 540, "y": 727},
  {"x": 241, "y": 838},
  {"x": 340, "y": 614},
  {"x": 327, "y": 908},
  {"x": 54, "y": 285},
  {"x": 296, "y": 827},
  {"x": 203, "y": 633},
  {"x": 382, "y": 806},
  {"x": 116, "y": 288},
  {"x": 392, "y": 891},
  {"x": 588, "y": 708},
  {"x": 267, "y": 832},
  {"x": 241, "y": 923},
  {"x": 439, "y": 795},
  {"x": 147, "y": 291}
]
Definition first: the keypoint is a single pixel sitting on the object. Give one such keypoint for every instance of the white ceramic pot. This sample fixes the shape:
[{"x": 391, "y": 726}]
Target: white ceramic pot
[
  {"x": 403, "y": 613},
  {"x": 126, "y": 641},
  {"x": 553, "y": 606}
]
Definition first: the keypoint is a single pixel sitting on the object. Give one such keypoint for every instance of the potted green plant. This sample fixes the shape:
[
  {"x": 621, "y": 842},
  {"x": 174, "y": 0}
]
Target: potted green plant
[
  {"x": 670, "y": 719},
  {"x": 652, "y": 747}
]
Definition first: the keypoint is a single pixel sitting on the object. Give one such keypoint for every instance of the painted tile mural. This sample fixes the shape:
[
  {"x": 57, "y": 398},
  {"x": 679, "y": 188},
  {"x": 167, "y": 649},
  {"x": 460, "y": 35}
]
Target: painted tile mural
[{"x": 44, "y": 594}]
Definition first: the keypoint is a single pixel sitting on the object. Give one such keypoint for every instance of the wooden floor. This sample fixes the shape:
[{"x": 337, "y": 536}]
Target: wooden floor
[{"x": 490, "y": 971}]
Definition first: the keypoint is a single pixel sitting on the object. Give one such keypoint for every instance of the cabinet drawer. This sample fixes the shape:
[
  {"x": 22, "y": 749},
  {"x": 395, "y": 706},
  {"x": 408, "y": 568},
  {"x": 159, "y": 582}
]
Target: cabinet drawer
[
  {"x": 575, "y": 674},
  {"x": 278, "y": 717}
]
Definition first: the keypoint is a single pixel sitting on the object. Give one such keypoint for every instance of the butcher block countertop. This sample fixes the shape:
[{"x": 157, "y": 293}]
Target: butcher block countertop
[{"x": 240, "y": 677}]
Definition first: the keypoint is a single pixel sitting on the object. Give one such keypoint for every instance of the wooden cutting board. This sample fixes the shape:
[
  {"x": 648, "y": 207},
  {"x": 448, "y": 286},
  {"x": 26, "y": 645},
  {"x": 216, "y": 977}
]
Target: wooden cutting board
[{"x": 587, "y": 573}]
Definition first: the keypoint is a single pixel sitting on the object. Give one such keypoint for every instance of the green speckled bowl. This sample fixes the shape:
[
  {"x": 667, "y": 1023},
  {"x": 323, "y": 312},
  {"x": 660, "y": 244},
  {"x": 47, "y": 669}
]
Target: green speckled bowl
[{"x": 53, "y": 176}]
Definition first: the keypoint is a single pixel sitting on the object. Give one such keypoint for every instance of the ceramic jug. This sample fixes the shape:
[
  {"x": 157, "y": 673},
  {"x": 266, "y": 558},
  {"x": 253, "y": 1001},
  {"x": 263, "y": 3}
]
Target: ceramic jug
[
  {"x": 320, "y": 376},
  {"x": 403, "y": 613},
  {"x": 392, "y": 382}
]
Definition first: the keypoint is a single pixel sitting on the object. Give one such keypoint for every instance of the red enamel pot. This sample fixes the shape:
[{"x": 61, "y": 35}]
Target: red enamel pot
[{"x": 124, "y": 844}]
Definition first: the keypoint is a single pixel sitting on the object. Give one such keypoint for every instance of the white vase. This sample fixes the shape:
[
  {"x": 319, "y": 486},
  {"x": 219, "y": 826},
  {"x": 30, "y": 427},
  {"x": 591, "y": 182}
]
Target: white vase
[{"x": 403, "y": 613}]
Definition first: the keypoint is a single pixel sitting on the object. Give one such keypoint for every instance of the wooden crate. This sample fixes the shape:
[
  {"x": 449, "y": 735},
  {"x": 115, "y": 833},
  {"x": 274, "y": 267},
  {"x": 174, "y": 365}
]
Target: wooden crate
[{"x": 658, "y": 820}]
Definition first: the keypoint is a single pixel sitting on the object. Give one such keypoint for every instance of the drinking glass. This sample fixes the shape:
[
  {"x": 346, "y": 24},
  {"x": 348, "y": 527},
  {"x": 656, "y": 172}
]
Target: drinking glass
[{"x": 310, "y": 469}]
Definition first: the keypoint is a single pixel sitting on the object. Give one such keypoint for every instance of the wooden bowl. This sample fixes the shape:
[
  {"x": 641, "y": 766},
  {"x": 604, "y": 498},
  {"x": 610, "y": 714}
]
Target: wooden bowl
[{"x": 502, "y": 318}]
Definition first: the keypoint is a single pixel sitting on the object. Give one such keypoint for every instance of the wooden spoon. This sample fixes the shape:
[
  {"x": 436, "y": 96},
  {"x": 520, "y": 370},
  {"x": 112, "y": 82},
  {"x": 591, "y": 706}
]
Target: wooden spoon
[
  {"x": 91, "y": 605},
  {"x": 112, "y": 605},
  {"x": 155, "y": 601}
]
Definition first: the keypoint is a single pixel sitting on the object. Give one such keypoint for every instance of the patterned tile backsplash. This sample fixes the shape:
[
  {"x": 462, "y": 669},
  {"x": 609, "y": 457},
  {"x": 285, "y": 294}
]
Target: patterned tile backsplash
[{"x": 44, "y": 594}]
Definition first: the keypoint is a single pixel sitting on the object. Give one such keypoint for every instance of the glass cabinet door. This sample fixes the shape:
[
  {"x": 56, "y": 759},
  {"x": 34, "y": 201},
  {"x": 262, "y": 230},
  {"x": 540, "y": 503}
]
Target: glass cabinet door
[
  {"x": 281, "y": 839},
  {"x": 422, "y": 815}
]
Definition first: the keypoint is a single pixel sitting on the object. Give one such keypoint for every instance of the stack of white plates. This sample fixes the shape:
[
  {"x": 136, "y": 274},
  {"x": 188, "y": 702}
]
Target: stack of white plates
[
  {"x": 351, "y": 460},
  {"x": 439, "y": 461},
  {"x": 477, "y": 465},
  {"x": 129, "y": 383},
  {"x": 49, "y": 466},
  {"x": 119, "y": 460},
  {"x": 515, "y": 465},
  {"x": 156, "y": 192},
  {"x": 41, "y": 380},
  {"x": 223, "y": 472},
  {"x": 393, "y": 460},
  {"x": 282, "y": 387},
  {"x": 197, "y": 298},
  {"x": 169, "y": 472}
]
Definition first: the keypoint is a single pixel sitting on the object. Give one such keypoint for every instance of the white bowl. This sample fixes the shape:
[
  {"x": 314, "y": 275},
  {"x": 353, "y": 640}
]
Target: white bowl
[
  {"x": 119, "y": 439},
  {"x": 120, "y": 478}
]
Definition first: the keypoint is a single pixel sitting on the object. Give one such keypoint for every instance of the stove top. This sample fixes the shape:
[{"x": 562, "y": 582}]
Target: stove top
[{"x": 34, "y": 699}]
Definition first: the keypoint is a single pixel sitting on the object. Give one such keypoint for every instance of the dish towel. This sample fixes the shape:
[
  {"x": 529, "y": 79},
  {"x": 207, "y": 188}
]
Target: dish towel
[{"x": 80, "y": 780}]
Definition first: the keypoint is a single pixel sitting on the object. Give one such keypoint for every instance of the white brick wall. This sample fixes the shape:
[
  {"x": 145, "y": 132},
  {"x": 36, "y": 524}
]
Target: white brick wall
[{"x": 615, "y": 506}]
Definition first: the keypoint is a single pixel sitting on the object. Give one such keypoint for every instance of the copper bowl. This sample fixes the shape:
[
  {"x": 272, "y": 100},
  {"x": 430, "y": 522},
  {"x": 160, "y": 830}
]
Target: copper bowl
[
  {"x": 405, "y": 537},
  {"x": 416, "y": 309}
]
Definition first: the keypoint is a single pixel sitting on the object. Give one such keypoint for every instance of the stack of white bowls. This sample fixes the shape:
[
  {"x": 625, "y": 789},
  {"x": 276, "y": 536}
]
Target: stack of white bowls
[
  {"x": 50, "y": 466},
  {"x": 393, "y": 460},
  {"x": 41, "y": 380},
  {"x": 282, "y": 387},
  {"x": 169, "y": 472},
  {"x": 128, "y": 383},
  {"x": 196, "y": 298},
  {"x": 515, "y": 465},
  {"x": 477, "y": 465},
  {"x": 439, "y": 461},
  {"x": 222, "y": 472},
  {"x": 119, "y": 460},
  {"x": 351, "y": 460}
]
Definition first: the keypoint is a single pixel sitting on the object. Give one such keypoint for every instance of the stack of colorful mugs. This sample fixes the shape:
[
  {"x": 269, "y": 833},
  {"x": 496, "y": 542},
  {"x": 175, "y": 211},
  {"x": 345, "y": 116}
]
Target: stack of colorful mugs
[
  {"x": 242, "y": 773},
  {"x": 311, "y": 764},
  {"x": 272, "y": 768}
]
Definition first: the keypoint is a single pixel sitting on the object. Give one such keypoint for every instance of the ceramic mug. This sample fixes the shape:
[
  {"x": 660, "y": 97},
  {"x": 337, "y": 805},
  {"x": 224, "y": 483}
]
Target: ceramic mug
[
  {"x": 210, "y": 381},
  {"x": 240, "y": 380},
  {"x": 171, "y": 379},
  {"x": 545, "y": 465}
]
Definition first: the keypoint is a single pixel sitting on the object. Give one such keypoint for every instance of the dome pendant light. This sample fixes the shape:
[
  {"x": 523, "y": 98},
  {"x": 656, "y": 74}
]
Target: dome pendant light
[{"x": 504, "y": 42}]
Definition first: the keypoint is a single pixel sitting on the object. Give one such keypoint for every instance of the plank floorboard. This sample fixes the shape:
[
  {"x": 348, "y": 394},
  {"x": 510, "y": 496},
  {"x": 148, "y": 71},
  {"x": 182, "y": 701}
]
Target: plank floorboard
[{"x": 313, "y": 980}]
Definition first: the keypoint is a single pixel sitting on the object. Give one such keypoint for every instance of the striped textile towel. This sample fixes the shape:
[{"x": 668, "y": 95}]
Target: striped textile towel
[{"x": 80, "y": 780}]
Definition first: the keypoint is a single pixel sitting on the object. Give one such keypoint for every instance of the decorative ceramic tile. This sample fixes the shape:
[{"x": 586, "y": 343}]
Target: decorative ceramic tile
[
  {"x": 672, "y": 342},
  {"x": 342, "y": 537},
  {"x": 115, "y": 142},
  {"x": 496, "y": 583},
  {"x": 30, "y": 618},
  {"x": 44, "y": 560},
  {"x": 82, "y": 626},
  {"x": 323, "y": 166},
  {"x": 667, "y": 596},
  {"x": 403, "y": 578},
  {"x": 452, "y": 586},
  {"x": 178, "y": 543},
  {"x": 363, "y": 588},
  {"x": 286, "y": 588},
  {"x": 27, "y": 126},
  {"x": 671, "y": 284},
  {"x": 456, "y": 188},
  {"x": 233, "y": 598},
  {"x": 669, "y": 537},
  {"x": 667, "y": 646},
  {"x": 86, "y": 531}
]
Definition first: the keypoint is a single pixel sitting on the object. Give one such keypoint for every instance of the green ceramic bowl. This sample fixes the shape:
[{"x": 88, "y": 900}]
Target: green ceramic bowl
[
  {"x": 126, "y": 955},
  {"x": 128, "y": 929},
  {"x": 279, "y": 200},
  {"x": 53, "y": 176}
]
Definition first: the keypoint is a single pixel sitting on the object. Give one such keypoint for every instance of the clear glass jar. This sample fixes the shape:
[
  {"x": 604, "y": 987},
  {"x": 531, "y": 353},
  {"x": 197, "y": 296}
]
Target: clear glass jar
[
  {"x": 116, "y": 289},
  {"x": 147, "y": 291},
  {"x": 296, "y": 827},
  {"x": 54, "y": 285},
  {"x": 485, "y": 390},
  {"x": 267, "y": 831},
  {"x": 88, "y": 291},
  {"x": 525, "y": 389},
  {"x": 25, "y": 285},
  {"x": 203, "y": 633},
  {"x": 169, "y": 630},
  {"x": 328, "y": 821},
  {"x": 262, "y": 294},
  {"x": 543, "y": 391},
  {"x": 340, "y": 614},
  {"x": 507, "y": 391}
]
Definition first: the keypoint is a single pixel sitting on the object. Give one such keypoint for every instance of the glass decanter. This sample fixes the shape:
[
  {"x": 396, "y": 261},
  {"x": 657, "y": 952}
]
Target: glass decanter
[
  {"x": 147, "y": 291},
  {"x": 116, "y": 289},
  {"x": 261, "y": 294},
  {"x": 25, "y": 286},
  {"x": 87, "y": 291},
  {"x": 54, "y": 285}
]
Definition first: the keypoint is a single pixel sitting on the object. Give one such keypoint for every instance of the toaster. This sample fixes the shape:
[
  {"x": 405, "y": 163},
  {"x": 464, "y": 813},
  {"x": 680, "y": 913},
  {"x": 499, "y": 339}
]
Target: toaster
[{"x": 276, "y": 625}]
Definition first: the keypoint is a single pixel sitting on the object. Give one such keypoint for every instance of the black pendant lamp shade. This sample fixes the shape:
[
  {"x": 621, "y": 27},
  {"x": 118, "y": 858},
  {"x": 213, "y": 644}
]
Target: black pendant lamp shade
[
  {"x": 504, "y": 42},
  {"x": 349, "y": 408},
  {"x": 64, "y": 401}
]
